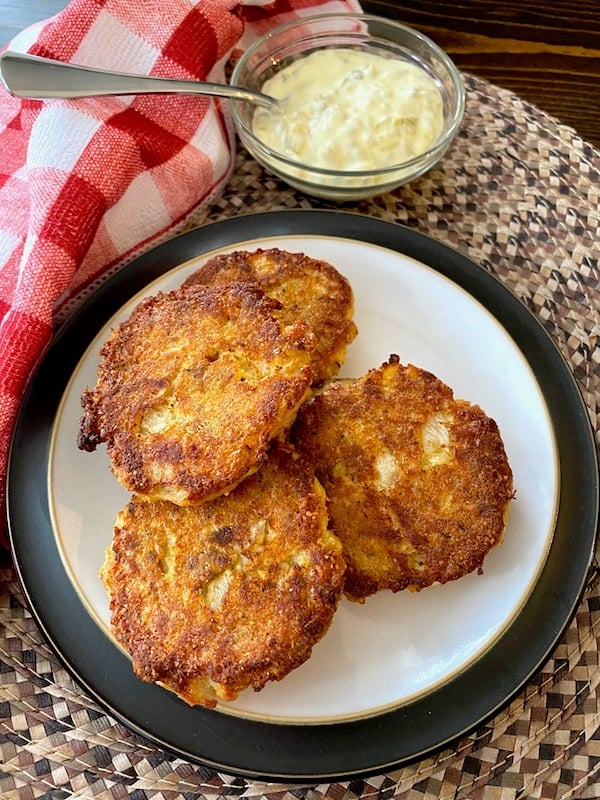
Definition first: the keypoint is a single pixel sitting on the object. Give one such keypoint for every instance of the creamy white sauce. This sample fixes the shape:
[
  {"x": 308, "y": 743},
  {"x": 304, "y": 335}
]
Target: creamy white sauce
[{"x": 351, "y": 110}]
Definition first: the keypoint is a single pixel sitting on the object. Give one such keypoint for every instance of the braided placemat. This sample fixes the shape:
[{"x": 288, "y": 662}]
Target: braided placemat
[{"x": 519, "y": 194}]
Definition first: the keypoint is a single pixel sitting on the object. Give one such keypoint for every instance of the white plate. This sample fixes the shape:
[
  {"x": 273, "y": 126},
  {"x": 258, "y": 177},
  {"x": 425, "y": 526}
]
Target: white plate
[
  {"x": 394, "y": 647},
  {"x": 403, "y": 675}
]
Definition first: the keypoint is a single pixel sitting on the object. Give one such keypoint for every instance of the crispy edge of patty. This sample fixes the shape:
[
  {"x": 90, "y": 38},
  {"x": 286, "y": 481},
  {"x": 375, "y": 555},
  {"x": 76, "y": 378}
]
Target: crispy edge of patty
[
  {"x": 307, "y": 288},
  {"x": 212, "y": 599},
  {"x": 418, "y": 483},
  {"x": 193, "y": 387}
]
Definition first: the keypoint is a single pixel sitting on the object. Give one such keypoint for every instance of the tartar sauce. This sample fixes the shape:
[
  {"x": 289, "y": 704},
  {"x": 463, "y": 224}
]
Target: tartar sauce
[{"x": 350, "y": 110}]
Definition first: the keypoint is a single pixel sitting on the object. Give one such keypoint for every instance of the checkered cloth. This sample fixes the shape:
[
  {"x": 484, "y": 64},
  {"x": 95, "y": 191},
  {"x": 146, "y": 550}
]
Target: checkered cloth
[{"x": 87, "y": 184}]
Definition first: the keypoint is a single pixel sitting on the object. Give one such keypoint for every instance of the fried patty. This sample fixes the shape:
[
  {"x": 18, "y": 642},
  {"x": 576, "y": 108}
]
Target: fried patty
[
  {"x": 209, "y": 600},
  {"x": 193, "y": 388},
  {"x": 306, "y": 287},
  {"x": 418, "y": 483}
]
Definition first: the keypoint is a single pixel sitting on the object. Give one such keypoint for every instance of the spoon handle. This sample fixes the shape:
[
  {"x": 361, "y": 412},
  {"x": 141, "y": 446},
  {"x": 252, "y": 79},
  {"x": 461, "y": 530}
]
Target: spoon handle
[{"x": 38, "y": 78}]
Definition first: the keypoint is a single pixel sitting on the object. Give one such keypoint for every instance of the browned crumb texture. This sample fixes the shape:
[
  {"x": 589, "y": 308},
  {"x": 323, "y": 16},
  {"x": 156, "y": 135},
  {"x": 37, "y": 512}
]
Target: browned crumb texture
[
  {"x": 418, "y": 483},
  {"x": 212, "y": 599},
  {"x": 193, "y": 388},
  {"x": 307, "y": 288}
]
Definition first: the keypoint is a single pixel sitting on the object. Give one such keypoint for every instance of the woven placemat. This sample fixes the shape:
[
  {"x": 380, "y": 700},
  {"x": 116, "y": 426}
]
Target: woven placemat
[{"x": 519, "y": 194}]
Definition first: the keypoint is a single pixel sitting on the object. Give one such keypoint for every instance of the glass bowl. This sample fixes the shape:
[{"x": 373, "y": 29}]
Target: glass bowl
[{"x": 362, "y": 32}]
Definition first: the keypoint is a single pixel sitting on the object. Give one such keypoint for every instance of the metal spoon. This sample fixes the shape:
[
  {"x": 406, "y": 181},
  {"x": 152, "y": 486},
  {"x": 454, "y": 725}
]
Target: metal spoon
[{"x": 38, "y": 78}]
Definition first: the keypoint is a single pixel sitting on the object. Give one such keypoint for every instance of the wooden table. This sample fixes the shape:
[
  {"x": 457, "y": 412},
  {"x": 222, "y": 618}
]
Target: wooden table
[{"x": 548, "y": 53}]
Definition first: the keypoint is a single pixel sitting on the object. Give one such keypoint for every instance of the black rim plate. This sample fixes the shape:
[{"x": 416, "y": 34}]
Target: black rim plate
[{"x": 291, "y": 752}]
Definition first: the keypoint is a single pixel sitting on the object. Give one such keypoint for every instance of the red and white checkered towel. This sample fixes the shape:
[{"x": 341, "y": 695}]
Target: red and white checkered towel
[{"x": 87, "y": 184}]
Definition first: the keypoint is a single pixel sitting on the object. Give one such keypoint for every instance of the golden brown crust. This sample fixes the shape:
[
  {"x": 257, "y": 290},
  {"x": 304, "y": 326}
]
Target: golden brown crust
[
  {"x": 212, "y": 599},
  {"x": 418, "y": 483},
  {"x": 307, "y": 288},
  {"x": 193, "y": 388}
]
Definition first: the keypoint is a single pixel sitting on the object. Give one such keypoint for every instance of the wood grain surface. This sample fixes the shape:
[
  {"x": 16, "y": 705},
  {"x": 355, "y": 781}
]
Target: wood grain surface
[{"x": 546, "y": 52}]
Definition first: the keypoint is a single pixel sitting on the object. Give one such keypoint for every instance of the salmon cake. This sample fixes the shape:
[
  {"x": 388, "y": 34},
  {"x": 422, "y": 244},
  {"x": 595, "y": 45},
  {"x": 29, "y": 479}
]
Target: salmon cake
[
  {"x": 193, "y": 388},
  {"x": 418, "y": 483},
  {"x": 212, "y": 599},
  {"x": 306, "y": 287}
]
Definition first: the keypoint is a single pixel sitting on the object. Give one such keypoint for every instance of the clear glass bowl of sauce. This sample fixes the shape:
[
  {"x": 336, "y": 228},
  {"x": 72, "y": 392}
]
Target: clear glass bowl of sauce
[{"x": 366, "y": 104}]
